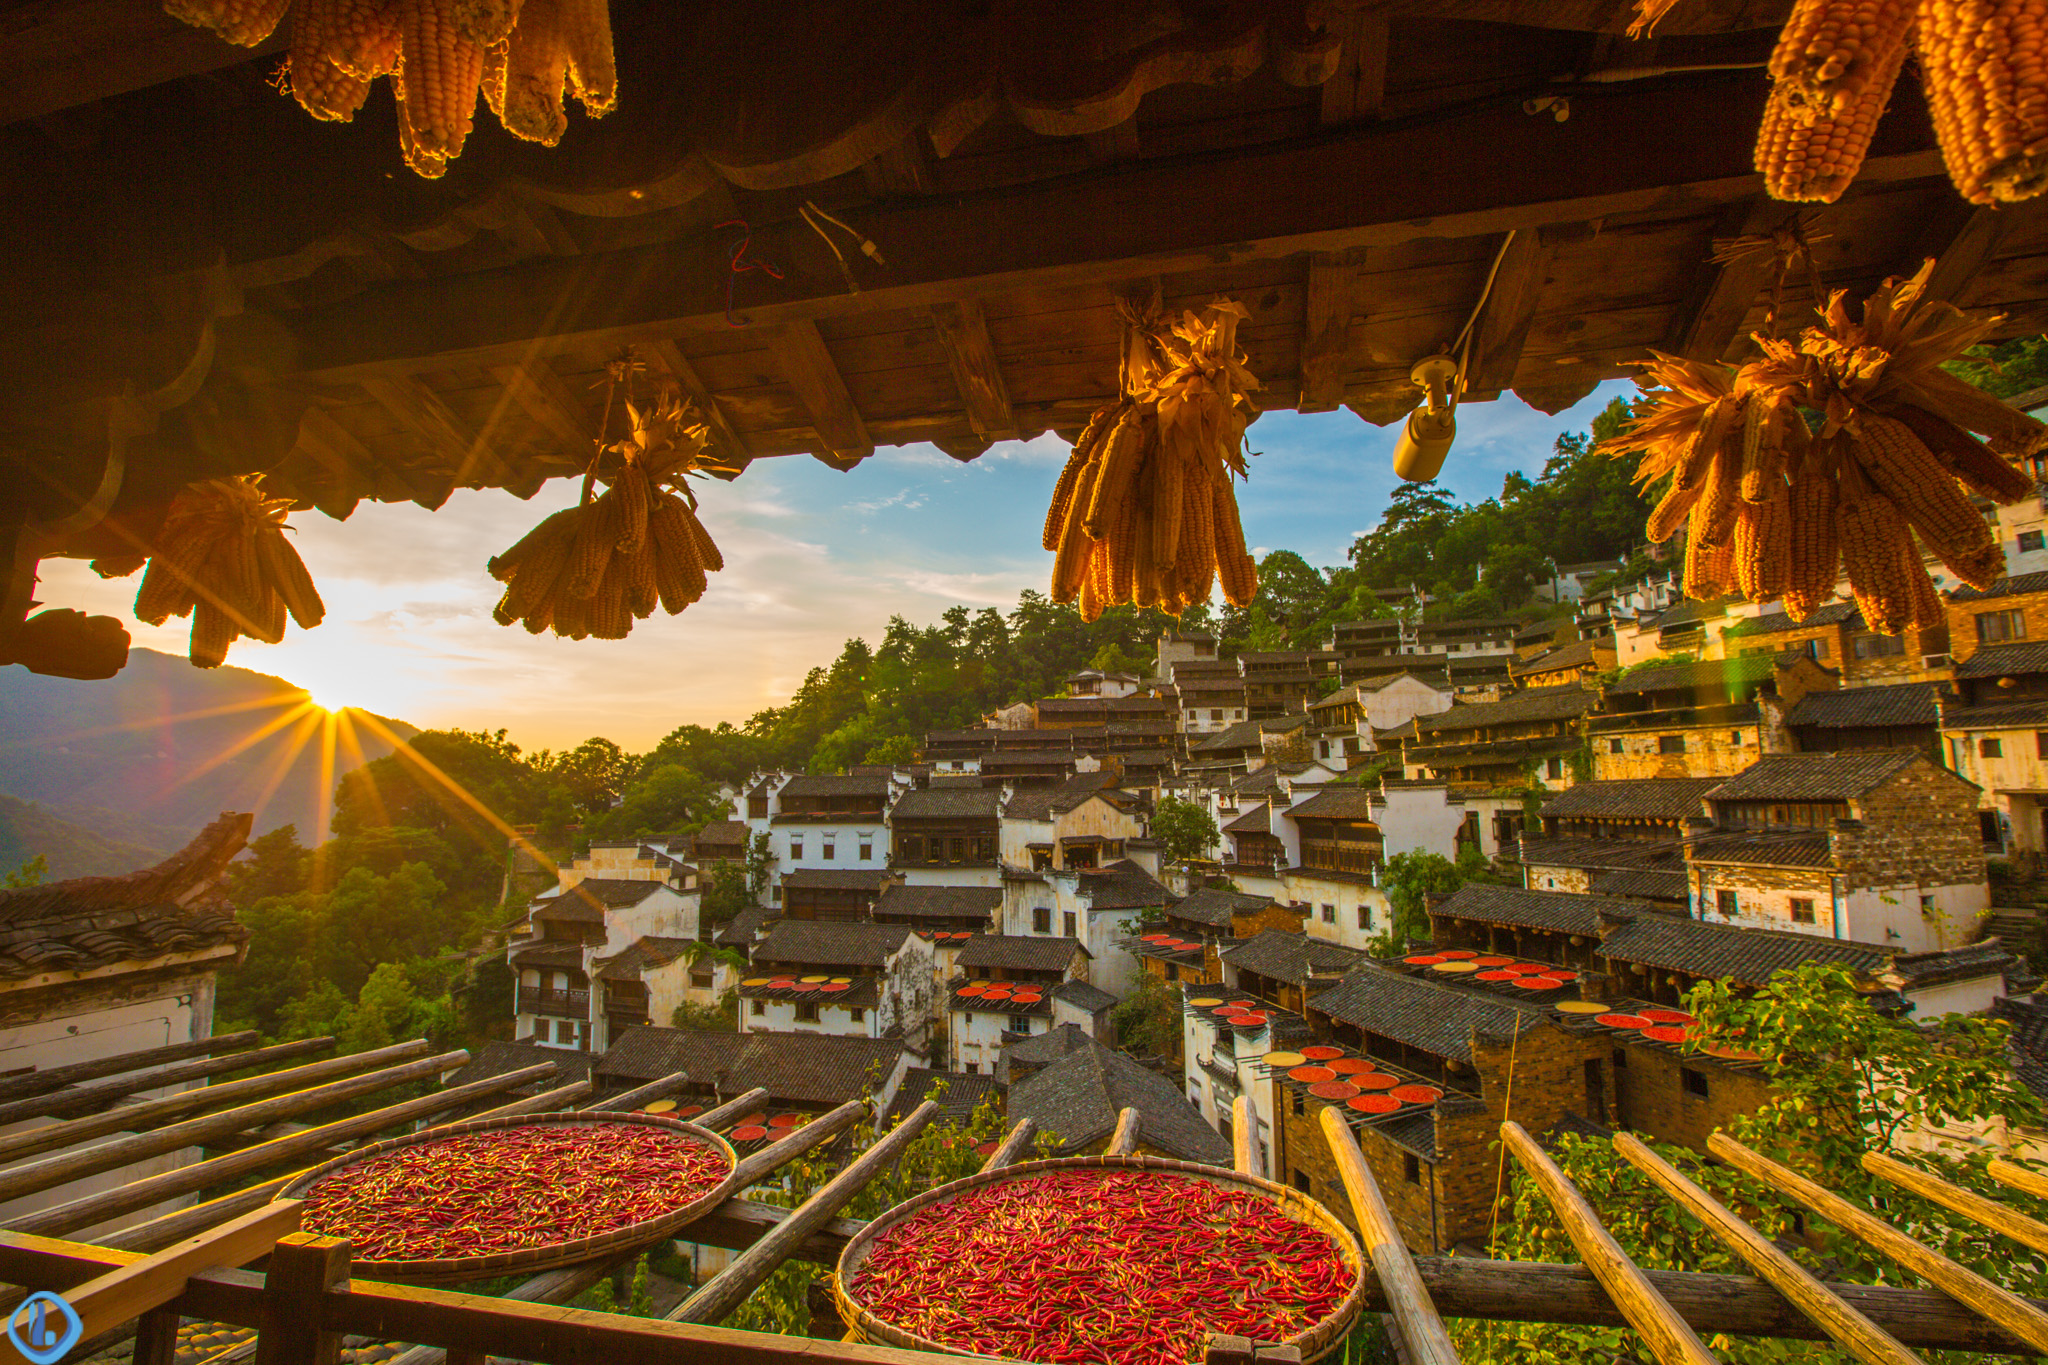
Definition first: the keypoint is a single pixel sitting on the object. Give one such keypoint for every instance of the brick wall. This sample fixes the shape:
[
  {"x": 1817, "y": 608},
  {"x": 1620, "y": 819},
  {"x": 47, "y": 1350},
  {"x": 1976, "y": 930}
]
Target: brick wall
[
  {"x": 1764, "y": 896},
  {"x": 1543, "y": 877},
  {"x": 1710, "y": 751},
  {"x": 1920, "y": 828},
  {"x": 1962, "y": 620},
  {"x": 1657, "y": 1103}
]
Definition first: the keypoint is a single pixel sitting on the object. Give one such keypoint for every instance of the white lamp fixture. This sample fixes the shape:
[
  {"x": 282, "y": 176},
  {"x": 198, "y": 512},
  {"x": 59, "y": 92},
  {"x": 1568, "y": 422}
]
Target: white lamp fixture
[{"x": 1426, "y": 437}]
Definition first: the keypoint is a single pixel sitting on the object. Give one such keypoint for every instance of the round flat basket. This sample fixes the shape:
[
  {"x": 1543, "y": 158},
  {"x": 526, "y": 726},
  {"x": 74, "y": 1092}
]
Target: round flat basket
[
  {"x": 455, "y": 1270},
  {"x": 1317, "y": 1340}
]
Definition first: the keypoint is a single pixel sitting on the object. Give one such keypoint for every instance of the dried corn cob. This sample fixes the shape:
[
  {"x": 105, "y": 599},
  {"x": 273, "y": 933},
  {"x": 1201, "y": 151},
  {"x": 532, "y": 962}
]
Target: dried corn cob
[
  {"x": 1872, "y": 532},
  {"x": 1981, "y": 68},
  {"x": 322, "y": 89},
  {"x": 536, "y": 70},
  {"x": 1762, "y": 547},
  {"x": 1924, "y": 491},
  {"x": 1816, "y": 556},
  {"x": 245, "y": 23},
  {"x": 484, "y": 22},
  {"x": 1830, "y": 52},
  {"x": 1966, "y": 457},
  {"x": 587, "y": 35},
  {"x": 363, "y": 37},
  {"x": 1812, "y": 157},
  {"x": 443, "y": 72},
  {"x": 222, "y": 558}
]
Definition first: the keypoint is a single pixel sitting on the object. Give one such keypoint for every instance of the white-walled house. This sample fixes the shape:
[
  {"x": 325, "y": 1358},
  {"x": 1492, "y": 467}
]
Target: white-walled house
[
  {"x": 649, "y": 980},
  {"x": 1085, "y": 821},
  {"x": 823, "y": 823},
  {"x": 1004, "y": 993},
  {"x": 584, "y": 919},
  {"x": 1101, "y": 907},
  {"x": 853, "y": 980},
  {"x": 947, "y": 834}
]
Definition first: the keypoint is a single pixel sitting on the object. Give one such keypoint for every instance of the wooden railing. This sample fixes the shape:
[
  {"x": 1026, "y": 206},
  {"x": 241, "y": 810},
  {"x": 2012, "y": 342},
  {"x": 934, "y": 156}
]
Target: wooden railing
[
  {"x": 1332, "y": 856},
  {"x": 573, "y": 1004}
]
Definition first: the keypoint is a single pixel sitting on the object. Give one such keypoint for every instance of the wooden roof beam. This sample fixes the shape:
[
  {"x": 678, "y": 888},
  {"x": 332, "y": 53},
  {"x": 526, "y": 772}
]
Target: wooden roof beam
[
  {"x": 728, "y": 443},
  {"x": 1962, "y": 239},
  {"x": 540, "y": 393},
  {"x": 1712, "y": 319},
  {"x": 1330, "y": 304},
  {"x": 1477, "y": 172},
  {"x": 814, "y": 377},
  {"x": 446, "y": 437},
  {"x": 63, "y": 56},
  {"x": 1510, "y": 307},
  {"x": 963, "y": 335},
  {"x": 1360, "y": 86}
]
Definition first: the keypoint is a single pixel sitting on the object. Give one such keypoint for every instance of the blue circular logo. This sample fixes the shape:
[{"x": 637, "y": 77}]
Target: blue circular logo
[{"x": 43, "y": 1327}]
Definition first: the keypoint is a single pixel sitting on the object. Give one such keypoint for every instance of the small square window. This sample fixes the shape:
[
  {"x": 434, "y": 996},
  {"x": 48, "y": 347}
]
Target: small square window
[
  {"x": 858, "y": 1013},
  {"x": 2041, "y": 743},
  {"x": 1041, "y": 919},
  {"x": 1726, "y": 903},
  {"x": 1329, "y": 914},
  {"x": 827, "y": 853},
  {"x": 867, "y": 853},
  {"x": 807, "y": 1013},
  {"x": 1695, "y": 1081},
  {"x": 1735, "y": 736},
  {"x": 1614, "y": 746},
  {"x": 758, "y": 1008},
  {"x": 1802, "y": 910},
  {"x": 700, "y": 977},
  {"x": 1671, "y": 744},
  {"x": 1300, "y": 1105},
  {"x": 1411, "y": 1168},
  {"x": 974, "y": 1068},
  {"x": 1067, "y": 919},
  {"x": 796, "y": 848},
  {"x": 1554, "y": 768},
  {"x": 1301, "y": 1181},
  {"x": 1990, "y": 748},
  {"x": 2030, "y": 540},
  {"x": 1216, "y": 713},
  {"x": 1365, "y": 917}
]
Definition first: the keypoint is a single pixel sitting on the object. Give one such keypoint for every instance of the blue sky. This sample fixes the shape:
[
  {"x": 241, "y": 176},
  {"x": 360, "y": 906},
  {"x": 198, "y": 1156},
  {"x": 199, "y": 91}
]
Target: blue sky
[{"x": 812, "y": 555}]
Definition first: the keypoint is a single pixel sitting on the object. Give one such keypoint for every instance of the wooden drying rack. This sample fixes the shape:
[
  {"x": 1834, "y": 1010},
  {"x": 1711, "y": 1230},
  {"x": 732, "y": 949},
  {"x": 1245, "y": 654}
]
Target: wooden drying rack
[{"x": 142, "y": 1281}]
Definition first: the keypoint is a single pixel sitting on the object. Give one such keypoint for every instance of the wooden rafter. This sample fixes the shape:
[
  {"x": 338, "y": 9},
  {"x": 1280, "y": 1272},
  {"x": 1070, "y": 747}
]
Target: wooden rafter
[
  {"x": 814, "y": 377},
  {"x": 420, "y": 410},
  {"x": 730, "y": 445},
  {"x": 963, "y": 335},
  {"x": 1962, "y": 240},
  {"x": 540, "y": 393},
  {"x": 1360, "y": 86},
  {"x": 1503, "y": 325},
  {"x": 1330, "y": 303},
  {"x": 1712, "y": 319}
]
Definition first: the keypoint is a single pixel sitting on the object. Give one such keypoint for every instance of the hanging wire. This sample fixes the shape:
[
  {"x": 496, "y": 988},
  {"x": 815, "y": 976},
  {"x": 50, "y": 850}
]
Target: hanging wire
[
  {"x": 740, "y": 264},
  {"x": 818, "y": 218},
  {"x": 1463, "y": 345}
]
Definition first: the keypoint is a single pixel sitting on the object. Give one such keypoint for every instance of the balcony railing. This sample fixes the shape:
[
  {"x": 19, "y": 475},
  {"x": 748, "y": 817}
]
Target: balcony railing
[
  {"x": 571, "y": 1004},
  {"x": 1331, "y": 856}
]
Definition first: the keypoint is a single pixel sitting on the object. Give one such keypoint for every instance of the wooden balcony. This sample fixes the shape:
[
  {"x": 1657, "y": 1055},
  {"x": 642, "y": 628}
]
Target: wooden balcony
[
  {"x": 569, "y": 1004},
  {"x": 1332, "y": 856}
]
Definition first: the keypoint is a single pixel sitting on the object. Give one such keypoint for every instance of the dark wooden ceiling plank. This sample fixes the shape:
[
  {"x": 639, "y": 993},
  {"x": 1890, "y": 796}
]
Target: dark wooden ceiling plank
[
  {"x": 726, "y": 439},
  {"x": 1962, "y": 239},
  {"x": 447, "y": 439},
  {"x": 963, "y": 334},
  {"x": 1360, "y": 86},
  {"x": 815, "y": 379},
  {"x": 539, "y": 392},
  {"x": 1329, "y": 304},
  {"x": 1510, "y": 308},
  {"x": 1708, "y": 325},
  {"x": 61, "y": 56},
  {"x": 1373, "y": 185}
]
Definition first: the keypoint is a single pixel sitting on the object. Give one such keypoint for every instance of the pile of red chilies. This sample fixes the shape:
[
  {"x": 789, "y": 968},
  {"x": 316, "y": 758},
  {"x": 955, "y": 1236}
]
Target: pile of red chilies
[
  {"x": 1120, "y": 1267},
  {"x": 510, "y": 1189}
]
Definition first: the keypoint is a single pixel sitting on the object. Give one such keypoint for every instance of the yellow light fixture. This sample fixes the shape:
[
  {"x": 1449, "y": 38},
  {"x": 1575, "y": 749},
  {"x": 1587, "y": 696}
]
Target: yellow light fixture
[{"x": 1426, "y": 437}]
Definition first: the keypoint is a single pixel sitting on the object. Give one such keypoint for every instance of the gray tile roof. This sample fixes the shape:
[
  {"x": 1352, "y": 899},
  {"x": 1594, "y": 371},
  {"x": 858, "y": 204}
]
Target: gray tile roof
[
  {"x": 1049, "y": 1046},
  {"x": 1642, "y": 798},
  {"x": 549, "y": 955},
  {"x": 498, "y": 1059},
  {"x": 741, "y": 930},
  {"x": 1243, "y": 735},
  {"x": 1641, "y": 884},
  {"x": 1079, "y": 1096},
  {"x": 1284, "y": 956},
  {"x": 2004, "y": 587},
  {"x": 575, "y": 903},
  {"x": 1257, "y": 820},
  {"x": 1044, "y": 802},
  {"x": 1815, "y": 777},
  {"x": 811, "y": 1068},
  {"x": 1421, "y": 1014},
  {"x": 1562, "y": 702},
  {"x": 1336, "y": 803},
  {"x": 1719, "y": 676},
  {"x": 1560, "y": 912},
  {"x": 1574, "y": 655},
  {"x": 963, "y": 1094},
  {"x": 1998, "y": 661},
  {"x": 1729, "y": 952},
  {"x": 1083, "y": 996},
  {"x": 866, "y": 785},
  {"x": 721, "y": 834},
  {"x": 1690, "y": 610},
  {"x": 1986, "y": 957},
  {"x": 1020, "y": 952},
  {"x": 1537, "y": 851},
  {"x": 1764, "y": 849},
  {"x": 1123, "y": 885},
  {"x": 1776, "y": 622},
  {"x": 941, "y": 902},
  {"x": 1998, "y": 716},
  {"x": 1899, "y": 704},
  {"x": 948, "y": 803},
  {"x": 834, "y": 879},
  {"x": 641, "y": 954},
  {"x": 1214, "y": 905},
  {"x": 830, "y": 942}
]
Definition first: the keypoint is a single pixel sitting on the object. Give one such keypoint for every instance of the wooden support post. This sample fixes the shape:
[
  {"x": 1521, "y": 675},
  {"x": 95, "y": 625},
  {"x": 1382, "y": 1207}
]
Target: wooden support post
[
  {"x": 85, "y": 1099},
  {"x": 731, "y": 1286},
  {"x": 1711, "y": 320},
  {"x": 1328, "y": 307},
  {"x": 821, "y": 391},
  {"x": 1244, "y": 1142},
  {"x": 733, "y": 1108},
  {"x": 1667, "y": 1335},
  {"x": 302, "y": 1269},
  {"x": 134, "y": 1118},
  {"x": 816, "y": 1133},
  {"x": 154, "y": 1281},
  {"x": 1855, "y": 1333},
  {"x": 1227, "y": 1350},
  {"x": 1360, "y": 86},
  {"x": 57, "y": 1077},
  {"x": 1015, "y": 1144},
  {"x": 963, "y": 335},
  {"x": 159, "y": 1233},
  {"x": 1503, "y": 326},
  {"x": 66, "y": 1167},
  {"x": 648, "y": 1094},
  {"x": 1124, "y": 1140},
  {"x": 140, "y": 1194},
  {"x": 1428, "y": 1342},
  {"x": 1989, "y": 1213},
  {"x": 2001, "y": 1306},
  {"x": 156, "y": 1337}
]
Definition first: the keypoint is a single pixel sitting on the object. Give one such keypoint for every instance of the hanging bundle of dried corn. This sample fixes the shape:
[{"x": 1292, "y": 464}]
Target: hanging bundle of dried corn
[
  {"x": 222, "y": 558},
  {"x": 1144, "y": 511},
  {"x": 1776, "y": 505},
  {"x": 440, "y": 54},
  {"x": 593, "y": 569}
]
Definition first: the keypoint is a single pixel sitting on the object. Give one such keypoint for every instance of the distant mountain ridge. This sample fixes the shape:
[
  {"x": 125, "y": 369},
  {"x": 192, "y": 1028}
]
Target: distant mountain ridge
[
  {"x": 70, "y": 849},
  {"x": 144, "y": 759}
]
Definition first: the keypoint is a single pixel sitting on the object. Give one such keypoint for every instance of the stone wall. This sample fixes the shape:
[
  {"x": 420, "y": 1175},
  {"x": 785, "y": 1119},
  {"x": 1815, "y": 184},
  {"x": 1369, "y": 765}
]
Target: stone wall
[
  {"x": 1721, "y": 750},
  {"x": 1543, "y": 877},
  {"x": 1657, "y": 1103},
  {"x": 1920, "y": 827},
  {"x": 1962, "y": 620}
]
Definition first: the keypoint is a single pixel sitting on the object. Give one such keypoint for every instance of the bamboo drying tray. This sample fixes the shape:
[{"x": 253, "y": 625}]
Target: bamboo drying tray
[
  {"x": 1318, "y": 1340},
  {"x": 455, "y": 1270}
]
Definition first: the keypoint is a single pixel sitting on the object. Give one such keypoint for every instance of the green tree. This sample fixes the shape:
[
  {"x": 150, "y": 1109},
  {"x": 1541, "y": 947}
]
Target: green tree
[
  {"x": 1147, "y": 1020},
  {"x": 2007, "y": 368},
  {"x": 1410, "y": 878},
  {"x": 1184, "y": 828},
  {"x": 663, "y": 800},
  {"x": 1845, "y": 1079},
  {"x": 274, "y": 864},
  {"x": 722, "y": 1017},
  {"x": 896, "y": 749},
  {"x": 31, "y": 873},
  {"x": 733, "y": 887},
  {"x": 367, "y": 921}
]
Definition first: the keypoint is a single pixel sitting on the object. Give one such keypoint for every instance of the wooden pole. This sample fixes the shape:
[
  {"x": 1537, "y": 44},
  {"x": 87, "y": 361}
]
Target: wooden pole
[
  {"x": 57, "y": 1077},
  {"x": 85, "y": 1099},
  {"x": 1124, "y": 1140},
  {"x": 1428, "y": 1342},
  {"x": 302, "y": 1269},
  {"x": 66, "y": 1167},
  {"x": 1243, "y": 1147},
  {"x": 154, "y": 1281},
  {"x": 2006, "y": 1222},
  {"x": 546, "y": 1102},
  {"x": 2018, "y": 1177},
  {"x": 1015, "y": 1144},
  {"x": 159, "y": 1233},
  {"x": 136, "y": 1118},
  {"x": 648, "y": 1094},
  {"x": 140, "y": 1194},
  {"x": 730, "y": 1287},
  {"x": 733, "y": 1108},
  {"x": 1855, "y": 1333},
  {"x": 1662, "y": 1329},
  {"x": 2001, "y": 1306},
  {"x": 816, "y": 1133}
]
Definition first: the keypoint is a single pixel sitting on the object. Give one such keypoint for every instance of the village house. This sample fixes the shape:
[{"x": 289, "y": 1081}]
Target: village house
[
  {"x": 1578, "y": 662},
  {"x": 1526, "y": 736},
  {"x": 846, "y": 980},
  {"x": 1093, "y": 682},
  {"x": 1284, "y": 682},
  {"x": 1706, "y": 719},
  {"x": 1622, "y": 838},
  {"x": 655, "y": 859},
  {"x": 824, "y": 823},
  {"x": 1086, "y": 821},
  {"x": 1335, "y": 883},
  {"x": 721, "y": 841},
  {"x": 566, "y": 927},
  {"x": 1182, "y": 647},
  {"x": 843, "y": 894},
  {"x": 1243, "y": 747},
  {"x": 1076, "y": 1089},
  {"x": 1223, "y": 1057},
  {"x": 1067, "y": 713},
  {"x": 1099, "y": 907},
  {"x": 1210, "y": 918},
  {"x": 648, "y": 981},
  {"x": 1571, "y": 582},
  {"x": 2010, "y": 610},
  {"x": 1209, "y": 699},
  {"x": 1885, "y": 716},
  {"x": 1349, "y": 721},
  {"x": 93, "y": 967},
  {"x": 2023, "y": 526},
  {"x": 1835, "y": 636},
  {"x": 1006, "y": 990},
  {"x": 1874, "y": 846},
  {"x": 1996, "y": 733},
  {"x": 947, "y": 836}
]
